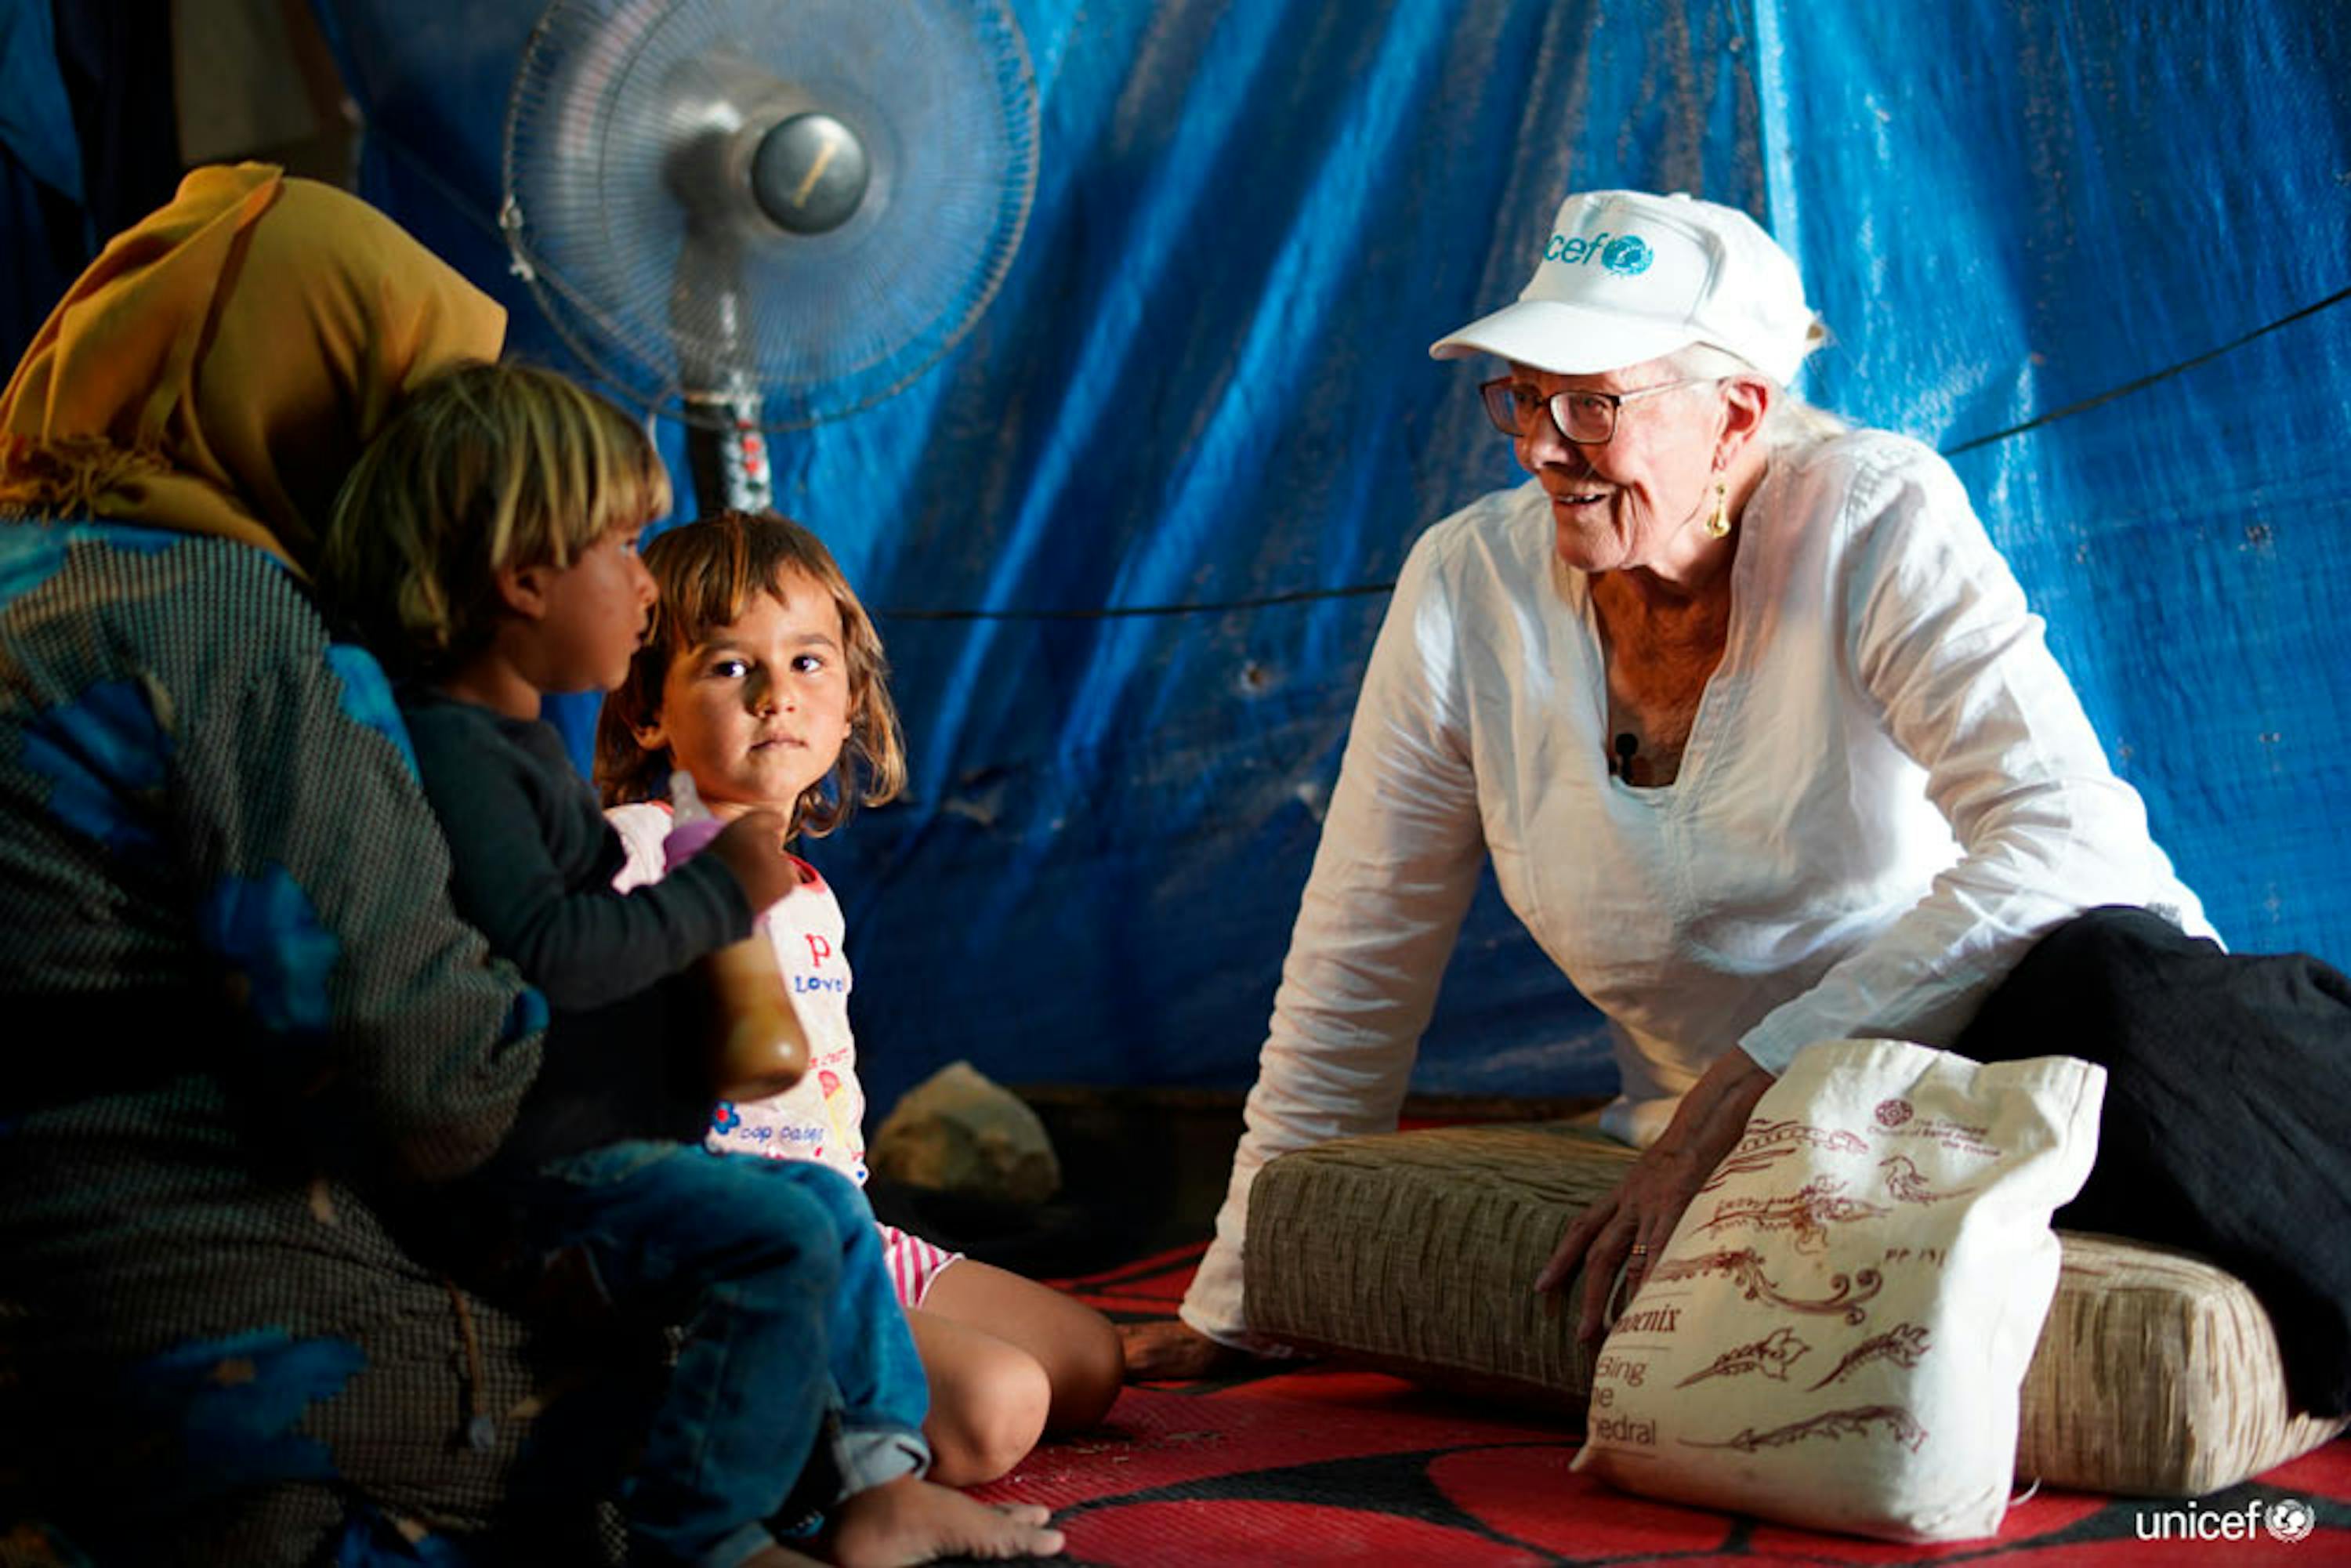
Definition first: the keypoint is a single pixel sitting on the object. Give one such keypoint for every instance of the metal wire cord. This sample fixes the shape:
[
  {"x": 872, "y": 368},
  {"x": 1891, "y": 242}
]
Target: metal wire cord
[
  {"x": 1301, "y": 596},
  {"x": 2143, "y": 382},
  {"x": 1116, "y": 611}
]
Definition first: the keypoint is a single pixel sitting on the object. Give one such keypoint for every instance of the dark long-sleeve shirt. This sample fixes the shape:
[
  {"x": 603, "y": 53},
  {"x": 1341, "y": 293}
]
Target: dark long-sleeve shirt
[{"x": 533, "y": 866}]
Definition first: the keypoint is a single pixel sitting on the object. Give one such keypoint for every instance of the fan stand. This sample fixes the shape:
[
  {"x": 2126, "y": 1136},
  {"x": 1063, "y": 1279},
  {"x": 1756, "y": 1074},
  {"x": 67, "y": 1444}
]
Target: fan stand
[
  {"x": 725, "y": 454},
  {"x": 808, "y": 175},
  {"x": 731, "y": 466}
]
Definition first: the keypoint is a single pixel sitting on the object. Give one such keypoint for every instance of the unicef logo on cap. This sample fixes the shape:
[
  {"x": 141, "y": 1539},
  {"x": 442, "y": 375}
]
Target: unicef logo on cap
[{"x": 1627, "y": 254}]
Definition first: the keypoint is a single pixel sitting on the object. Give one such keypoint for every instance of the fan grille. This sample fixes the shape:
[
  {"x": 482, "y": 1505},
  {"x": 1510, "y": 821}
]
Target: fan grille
[{"x": 628, "y": 203}]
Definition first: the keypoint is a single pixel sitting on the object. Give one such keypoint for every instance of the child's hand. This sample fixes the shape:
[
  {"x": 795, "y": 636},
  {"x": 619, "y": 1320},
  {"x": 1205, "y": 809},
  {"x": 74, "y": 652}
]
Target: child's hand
[{"x": 752, "y": 847}]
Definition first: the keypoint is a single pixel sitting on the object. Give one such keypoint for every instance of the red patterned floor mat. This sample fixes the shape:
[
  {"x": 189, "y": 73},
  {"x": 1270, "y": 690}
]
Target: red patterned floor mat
[{"x": 1329, "y": 1466}]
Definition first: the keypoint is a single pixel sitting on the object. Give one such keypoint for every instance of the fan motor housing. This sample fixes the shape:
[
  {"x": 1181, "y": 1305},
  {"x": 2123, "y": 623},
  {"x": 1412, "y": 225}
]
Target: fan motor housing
[{"x": 810, "y": 173}]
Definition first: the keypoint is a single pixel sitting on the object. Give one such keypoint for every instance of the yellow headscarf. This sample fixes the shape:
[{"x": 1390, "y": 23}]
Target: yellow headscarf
[{"x": 220, "y": 364}]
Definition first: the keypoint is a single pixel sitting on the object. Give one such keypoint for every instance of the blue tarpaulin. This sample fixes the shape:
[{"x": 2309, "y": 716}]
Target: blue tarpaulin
[{"x": 1126, "y": 542}]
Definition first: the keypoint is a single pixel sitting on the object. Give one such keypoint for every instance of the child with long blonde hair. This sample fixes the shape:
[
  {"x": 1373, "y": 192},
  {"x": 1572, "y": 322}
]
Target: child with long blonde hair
[
  {"x": 486, "y": 544},
  {"x": 762, "y": 679}
]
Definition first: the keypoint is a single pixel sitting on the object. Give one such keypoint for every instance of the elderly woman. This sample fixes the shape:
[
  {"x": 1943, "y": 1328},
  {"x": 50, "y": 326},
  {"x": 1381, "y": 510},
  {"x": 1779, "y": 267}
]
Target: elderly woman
[
  {"x": 1750, "y": 716},
  {"x": 245, "y": 1026}
]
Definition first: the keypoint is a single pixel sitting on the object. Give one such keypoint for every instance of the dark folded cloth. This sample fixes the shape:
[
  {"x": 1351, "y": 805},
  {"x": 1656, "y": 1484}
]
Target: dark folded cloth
[{"x": 2227, "y": 1126}]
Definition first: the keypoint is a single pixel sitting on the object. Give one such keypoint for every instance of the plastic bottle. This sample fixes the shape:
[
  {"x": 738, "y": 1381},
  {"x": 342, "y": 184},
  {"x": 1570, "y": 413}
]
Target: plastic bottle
[{"x": 757, "y": 1045}]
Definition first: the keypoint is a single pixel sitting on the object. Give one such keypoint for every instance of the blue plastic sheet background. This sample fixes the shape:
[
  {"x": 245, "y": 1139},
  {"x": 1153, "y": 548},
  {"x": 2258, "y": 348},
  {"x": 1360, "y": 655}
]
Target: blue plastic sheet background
[{"x": 1204, "y": 384}]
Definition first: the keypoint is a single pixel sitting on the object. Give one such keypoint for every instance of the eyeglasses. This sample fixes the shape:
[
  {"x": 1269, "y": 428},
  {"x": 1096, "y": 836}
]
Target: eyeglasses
[{"x": 1586, "y": 418}]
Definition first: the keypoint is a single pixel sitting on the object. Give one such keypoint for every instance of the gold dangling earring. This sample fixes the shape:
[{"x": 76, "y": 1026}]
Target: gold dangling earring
[{"x": 1717, "y": 526}]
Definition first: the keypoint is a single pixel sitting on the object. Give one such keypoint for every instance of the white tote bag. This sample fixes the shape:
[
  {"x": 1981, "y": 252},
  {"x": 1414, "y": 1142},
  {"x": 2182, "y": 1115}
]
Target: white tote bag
[{"x": 1837, "y": 1331}]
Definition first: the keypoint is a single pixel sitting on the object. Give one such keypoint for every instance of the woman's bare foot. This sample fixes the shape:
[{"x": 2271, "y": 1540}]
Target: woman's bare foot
[
  {"x": 909, "y": 1520},
  {"x": 1168, "y": 1349}
]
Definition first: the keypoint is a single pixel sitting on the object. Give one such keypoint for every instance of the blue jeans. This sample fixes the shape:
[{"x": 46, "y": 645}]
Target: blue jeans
[{"x": 793, "y": 1333}]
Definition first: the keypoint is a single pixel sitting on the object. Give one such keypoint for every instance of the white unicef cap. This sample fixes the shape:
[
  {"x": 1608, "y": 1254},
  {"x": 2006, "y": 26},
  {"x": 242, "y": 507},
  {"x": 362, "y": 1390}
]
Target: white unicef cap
[{"x": 1627, "y": 276}]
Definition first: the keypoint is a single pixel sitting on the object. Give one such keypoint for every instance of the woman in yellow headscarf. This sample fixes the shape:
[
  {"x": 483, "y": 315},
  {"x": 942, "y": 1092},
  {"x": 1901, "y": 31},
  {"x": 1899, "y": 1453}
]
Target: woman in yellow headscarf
[
  {"x": 244, "y": 1020},
  {"x": 218, "y": 368}
]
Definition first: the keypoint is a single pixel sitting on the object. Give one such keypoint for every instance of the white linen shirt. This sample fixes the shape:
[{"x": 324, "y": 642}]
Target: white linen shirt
[{"x": 1889, "y": 793}]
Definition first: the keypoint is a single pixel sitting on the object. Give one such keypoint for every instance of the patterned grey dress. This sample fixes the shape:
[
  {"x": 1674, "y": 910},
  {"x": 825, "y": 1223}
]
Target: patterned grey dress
[{"x": 243, "y": 1024}]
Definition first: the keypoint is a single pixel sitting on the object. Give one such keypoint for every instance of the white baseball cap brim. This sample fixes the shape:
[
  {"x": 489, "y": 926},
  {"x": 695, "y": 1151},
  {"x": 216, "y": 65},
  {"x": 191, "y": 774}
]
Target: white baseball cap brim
[{"x": 1564, "y": 339}]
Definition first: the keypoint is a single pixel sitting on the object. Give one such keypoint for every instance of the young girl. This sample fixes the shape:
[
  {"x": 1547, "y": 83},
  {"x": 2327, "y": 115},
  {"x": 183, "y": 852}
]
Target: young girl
[
  {"x": 486, "y": 544},
  {"x": 762, "y": 678}
]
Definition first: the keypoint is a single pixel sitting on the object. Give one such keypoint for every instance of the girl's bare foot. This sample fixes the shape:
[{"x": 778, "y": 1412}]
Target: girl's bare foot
[{"x": 908, "y": 1521}]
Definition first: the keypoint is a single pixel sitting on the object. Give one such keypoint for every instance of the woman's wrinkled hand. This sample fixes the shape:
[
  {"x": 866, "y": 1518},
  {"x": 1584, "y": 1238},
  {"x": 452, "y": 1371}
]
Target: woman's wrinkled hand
[
  {"x": 1169, "y": 1349},
  {"x": 1631, "y": 1224}
]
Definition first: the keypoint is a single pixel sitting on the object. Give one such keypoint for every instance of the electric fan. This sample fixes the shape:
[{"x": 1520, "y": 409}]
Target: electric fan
[{"x": 757, "y": 215}]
